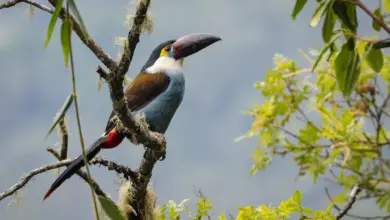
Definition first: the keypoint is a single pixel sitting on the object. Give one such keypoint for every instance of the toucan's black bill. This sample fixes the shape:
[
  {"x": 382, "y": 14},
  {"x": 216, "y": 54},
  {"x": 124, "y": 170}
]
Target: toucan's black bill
[
  {"x": 76, "y": 165},
  {"x": 190, "y": 44}
]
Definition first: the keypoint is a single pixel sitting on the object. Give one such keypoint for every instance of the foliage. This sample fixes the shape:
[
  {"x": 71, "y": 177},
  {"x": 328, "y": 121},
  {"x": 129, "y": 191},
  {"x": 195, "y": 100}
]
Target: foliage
[
  {"x": 344, "y": 12},
  {"x": 306, "y": 115},
  {"x": 172, "y": 211}
]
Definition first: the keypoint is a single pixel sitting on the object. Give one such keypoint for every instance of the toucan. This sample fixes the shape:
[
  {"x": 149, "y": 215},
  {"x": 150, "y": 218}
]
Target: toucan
[{"x": 156, "y": 92}]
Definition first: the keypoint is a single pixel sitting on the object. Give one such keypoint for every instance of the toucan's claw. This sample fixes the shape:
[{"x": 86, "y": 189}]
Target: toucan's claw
[{"x": 161, "y": 155}]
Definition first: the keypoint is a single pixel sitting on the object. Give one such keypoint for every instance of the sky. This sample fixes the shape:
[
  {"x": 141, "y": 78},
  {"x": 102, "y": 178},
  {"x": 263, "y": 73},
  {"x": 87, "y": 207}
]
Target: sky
[{"x": 201, "y": 149}]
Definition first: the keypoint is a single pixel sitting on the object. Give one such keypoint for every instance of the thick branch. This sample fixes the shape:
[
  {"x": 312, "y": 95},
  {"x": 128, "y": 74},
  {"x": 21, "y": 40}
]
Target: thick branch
[
  {"x": 26, "y": 178},
  {"x": 130, "y": 126},
  {"x": 140, "y": 185},
  {"x": 64, "y": 143},
  {"x": 133, "y": 37}
]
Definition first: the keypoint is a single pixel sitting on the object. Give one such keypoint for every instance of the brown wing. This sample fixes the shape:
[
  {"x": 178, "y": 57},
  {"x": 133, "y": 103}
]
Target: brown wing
[{"x": 142, "y": 90}]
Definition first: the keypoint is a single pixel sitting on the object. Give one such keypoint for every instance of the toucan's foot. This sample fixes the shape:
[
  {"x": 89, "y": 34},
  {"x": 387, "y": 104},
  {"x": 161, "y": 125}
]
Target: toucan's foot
[{"x": 161, "y": 155}]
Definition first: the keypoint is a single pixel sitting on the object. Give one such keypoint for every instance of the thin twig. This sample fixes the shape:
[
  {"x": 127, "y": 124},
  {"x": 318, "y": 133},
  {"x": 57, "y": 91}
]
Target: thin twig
[
  {"x": 380, "y": 21},
  {"x": 351, "y": 215},
  {"x": 10, "y": 4},
  {"x": 352, "y": 198},
  {"x": 27, "y": 177},
  {"x": 83, "y": 175},
  {"x": 120, "y": 169},
  {"x": 88, "y": 41}
]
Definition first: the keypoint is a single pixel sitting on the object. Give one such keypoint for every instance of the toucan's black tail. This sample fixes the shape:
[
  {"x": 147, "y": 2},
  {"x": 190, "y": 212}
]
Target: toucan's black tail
[{"x": 76, "y": 165}]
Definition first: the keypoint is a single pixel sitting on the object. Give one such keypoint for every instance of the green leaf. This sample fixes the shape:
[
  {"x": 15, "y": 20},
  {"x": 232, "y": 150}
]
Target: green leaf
[
  {"x": 79, "y": 19},
  {"x": 62, "y": 113},
  {"x": 53, "y": 21},
  {"x": 299, "y": 5},
  {"x": 329, "y": 23},
  {"x": 297, "y": 197},
  {"x": 386, "y": 3},
  {"x": 388, "y": 207},
  {"x": 111, "y": 210},
  {"x": 65, "y": 39},
  {"x": 375, "y": 24},
  {"x": 346, "y": 13},
  {"x": 341, "y": 198},
  {"x": 374, "y": 58},
  {"x": 347, "y": 68},
  {"x": 319, "y": 12},
  {"x": 307, "y": 210},
  {"x": 325, "y": 48}
]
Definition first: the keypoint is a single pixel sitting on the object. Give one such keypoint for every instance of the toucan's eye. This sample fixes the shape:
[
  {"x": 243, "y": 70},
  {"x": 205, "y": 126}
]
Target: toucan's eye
[{"x": 168, "y": 48}]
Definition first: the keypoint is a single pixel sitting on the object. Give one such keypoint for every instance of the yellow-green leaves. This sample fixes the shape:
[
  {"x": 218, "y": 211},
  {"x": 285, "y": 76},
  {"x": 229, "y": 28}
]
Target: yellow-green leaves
[
  {"x": 285, "y": 210},
  {"x": 61, "y": 114},
  {"x": 319, "y": 12},
  {"x": 172, "y": 211},
  {"x": 374, "y": 58},
  {"x": 110, "y": 208},
  {"x": 386, "y": 4},
  {"x": 66, "y": 31},
  {"x": 299, "y": 5},
  {"x": 203, "y": 207},
  {"x": 53, "y": 21},
  {"x": 347, "y": 68},
  {"x": 325, "y": 49}
]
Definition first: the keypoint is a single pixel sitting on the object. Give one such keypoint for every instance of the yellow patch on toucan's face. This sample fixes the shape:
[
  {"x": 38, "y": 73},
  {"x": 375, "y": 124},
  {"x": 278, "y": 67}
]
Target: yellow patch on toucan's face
[{"x": 164, "y": 52}]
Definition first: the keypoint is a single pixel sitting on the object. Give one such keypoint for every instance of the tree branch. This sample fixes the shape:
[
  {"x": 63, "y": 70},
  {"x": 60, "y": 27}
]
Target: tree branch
[
  {"x": 126, "y": 171},
  {"x": 102, "y": 72},
  {"x": 141, "y": 183},
  {"x": 64, "y": 143},
  {"x": 83, "y": 175},
  {"x": 351, "y": 215},
  {"x": 88, "y": 41},
  {"x": 352, "y": 198},
  {"x": 380, "y": 21},
  {"x": 10, "y": 4},
  {"x": 127, "y": 122},
  {"x": 133, "y": 127},
  {"x": 133, "y": 37},
  {"x": 26, "y": 178}
]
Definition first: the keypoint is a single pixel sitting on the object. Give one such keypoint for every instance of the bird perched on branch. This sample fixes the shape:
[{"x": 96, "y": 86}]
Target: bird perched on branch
[{"x": 156, "y": 92}]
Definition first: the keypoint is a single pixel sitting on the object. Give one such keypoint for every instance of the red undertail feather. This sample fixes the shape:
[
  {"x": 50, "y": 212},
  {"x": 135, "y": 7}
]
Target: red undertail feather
[{"x": 113, "y": 139}]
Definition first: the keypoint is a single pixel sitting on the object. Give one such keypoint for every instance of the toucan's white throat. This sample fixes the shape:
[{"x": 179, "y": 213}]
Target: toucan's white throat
[{"x": 166, "y": 64}]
